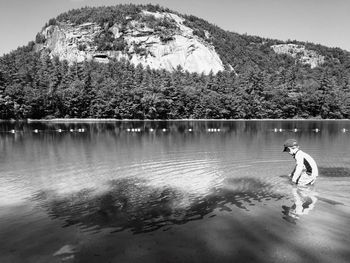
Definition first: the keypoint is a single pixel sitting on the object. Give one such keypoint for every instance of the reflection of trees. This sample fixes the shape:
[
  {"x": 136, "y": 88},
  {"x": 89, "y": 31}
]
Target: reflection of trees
[
  {"x": 179, "y": 127},
  {"x": 134, "y": 205},
  {"x": 334, "y": 171}
]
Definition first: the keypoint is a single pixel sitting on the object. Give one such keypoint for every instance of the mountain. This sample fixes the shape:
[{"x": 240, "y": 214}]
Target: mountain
[
  {"x": 146, "y": 61},
  {"x": 155, "y": 37},
  {"x": 160, "y": 40}
]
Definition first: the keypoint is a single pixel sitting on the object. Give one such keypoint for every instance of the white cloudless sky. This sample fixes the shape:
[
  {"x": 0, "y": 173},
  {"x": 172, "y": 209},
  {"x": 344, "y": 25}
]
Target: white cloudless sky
[{"x": 325, "y": 22}]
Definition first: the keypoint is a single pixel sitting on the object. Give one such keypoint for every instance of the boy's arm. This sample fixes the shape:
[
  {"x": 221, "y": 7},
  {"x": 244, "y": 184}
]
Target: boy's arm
[
  {"x": 297, "y": 170},
  {"x": 292, "y": 173}
]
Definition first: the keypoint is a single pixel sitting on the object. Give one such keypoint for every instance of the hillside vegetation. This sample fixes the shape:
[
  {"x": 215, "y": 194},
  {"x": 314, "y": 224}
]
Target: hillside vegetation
[{"x": 257, "y": 81}]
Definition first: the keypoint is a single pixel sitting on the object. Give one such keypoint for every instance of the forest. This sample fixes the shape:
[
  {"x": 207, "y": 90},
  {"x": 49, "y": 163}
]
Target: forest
[{"x": 262, "y": 83}]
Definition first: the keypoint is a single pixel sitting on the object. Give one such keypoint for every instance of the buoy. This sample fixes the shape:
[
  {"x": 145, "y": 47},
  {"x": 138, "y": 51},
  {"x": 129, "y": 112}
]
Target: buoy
[
  {"x": 164, "y": 130},
  {"x": 295, "y": 130},
  {"x": 12, "y": 131},
  {"x": 71, "y": 130},
  {"x": 275, "y": 130},
  {"x": 59, "y": 130},
  {"x": 151, "y": 130},
  {"x": 189, "y": 130},
  {"x": 344, "y": 130},
  {"x": 317, "y": 130},
  {"x": 218, "y": 130},
  {"x": 280, "y": 130},
  {"x": 36, "y": 131}
]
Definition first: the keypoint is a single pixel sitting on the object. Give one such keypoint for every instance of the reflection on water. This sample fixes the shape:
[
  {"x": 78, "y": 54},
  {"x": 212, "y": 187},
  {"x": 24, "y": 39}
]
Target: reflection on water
[
  {"x": 307, "y": 128},
  {"x": 305, "y": 199},
  {"x": 334, "y": 171},
  {"x": 190, "y": 191},
  {"x": 133, "y": 205}
]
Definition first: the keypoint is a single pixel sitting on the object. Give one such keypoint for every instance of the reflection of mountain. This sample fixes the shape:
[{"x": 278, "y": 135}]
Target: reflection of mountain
[{"x": 133, "y": 205}]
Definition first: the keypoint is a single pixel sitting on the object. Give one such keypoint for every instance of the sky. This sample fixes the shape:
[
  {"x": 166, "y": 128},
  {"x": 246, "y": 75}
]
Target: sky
[{"x": 325, "y": 22}]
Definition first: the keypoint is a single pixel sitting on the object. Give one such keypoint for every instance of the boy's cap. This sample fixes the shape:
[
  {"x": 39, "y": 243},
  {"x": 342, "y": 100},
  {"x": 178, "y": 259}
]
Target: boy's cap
[{"x": 289, "y": 143}]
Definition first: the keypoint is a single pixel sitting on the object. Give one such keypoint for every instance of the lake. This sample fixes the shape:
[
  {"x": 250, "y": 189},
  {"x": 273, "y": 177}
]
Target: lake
[{"x": 176, "y": 191}]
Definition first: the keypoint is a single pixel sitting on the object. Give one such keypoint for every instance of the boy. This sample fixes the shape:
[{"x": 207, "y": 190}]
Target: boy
[{"x": 305, "y": 171}]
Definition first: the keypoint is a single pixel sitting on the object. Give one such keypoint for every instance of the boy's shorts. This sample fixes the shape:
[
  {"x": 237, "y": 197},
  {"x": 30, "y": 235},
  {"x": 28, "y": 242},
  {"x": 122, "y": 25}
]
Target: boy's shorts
[{"x": 306, "y": 179}]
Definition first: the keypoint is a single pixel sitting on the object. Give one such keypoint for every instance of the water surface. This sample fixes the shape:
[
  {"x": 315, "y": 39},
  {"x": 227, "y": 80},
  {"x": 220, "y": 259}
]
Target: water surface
[{"x": 187, "y": 191}]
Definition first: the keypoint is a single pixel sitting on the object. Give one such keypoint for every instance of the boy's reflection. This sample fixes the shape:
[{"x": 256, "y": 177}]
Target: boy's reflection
[{"x": 304, "y": 201}]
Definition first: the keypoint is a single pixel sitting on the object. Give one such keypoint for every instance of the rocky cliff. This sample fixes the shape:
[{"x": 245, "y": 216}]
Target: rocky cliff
[
  {"x": 300, "y": 53},
  {"x": 167, "y": 45}
]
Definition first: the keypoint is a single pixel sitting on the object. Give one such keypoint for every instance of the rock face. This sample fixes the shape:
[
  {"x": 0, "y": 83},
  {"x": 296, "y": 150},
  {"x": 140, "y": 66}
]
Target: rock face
[
  {"x": 66, "y": 40},
  {"x": 300, "y": 53},
  {"x": 160, "y": 48}
]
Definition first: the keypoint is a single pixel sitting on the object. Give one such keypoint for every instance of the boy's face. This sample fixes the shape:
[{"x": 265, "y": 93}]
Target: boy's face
[{"x": 292, "y": 150}]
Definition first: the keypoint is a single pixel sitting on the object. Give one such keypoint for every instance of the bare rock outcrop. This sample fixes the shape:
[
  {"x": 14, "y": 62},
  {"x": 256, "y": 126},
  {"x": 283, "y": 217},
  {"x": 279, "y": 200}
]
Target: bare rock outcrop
[
  {"x": 167, "y": 48},
  {"x": 300, "y": 53}
]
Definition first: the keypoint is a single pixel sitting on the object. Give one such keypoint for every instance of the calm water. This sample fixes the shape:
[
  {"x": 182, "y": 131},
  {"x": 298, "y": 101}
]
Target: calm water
[{"x": 172, "y": 192}]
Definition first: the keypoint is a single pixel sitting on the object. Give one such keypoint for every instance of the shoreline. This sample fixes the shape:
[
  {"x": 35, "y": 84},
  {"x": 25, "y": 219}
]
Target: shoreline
[{"x": 92, "y": 120}]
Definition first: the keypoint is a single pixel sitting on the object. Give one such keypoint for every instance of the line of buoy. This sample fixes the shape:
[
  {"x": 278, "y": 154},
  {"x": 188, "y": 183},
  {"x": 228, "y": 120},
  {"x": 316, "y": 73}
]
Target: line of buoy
[
  {"x": 214, "y": 130},
  {"x": 278, "y": 130},
  {"x": 344, "y": 130},
  {"x": 297, "y": 130},
  {"x": 163, "y": 130},
  {"x": 139, "y": 130},
  {"x": 134, "y": 130}
]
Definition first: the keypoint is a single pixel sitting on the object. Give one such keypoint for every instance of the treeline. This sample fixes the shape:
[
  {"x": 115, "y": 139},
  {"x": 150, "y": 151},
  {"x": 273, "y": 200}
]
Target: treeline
[{"x": 34, "y": 86}]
